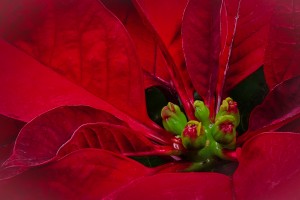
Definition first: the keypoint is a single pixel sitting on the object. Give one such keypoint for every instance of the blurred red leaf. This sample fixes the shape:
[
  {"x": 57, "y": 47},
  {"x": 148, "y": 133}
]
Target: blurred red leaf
[
  {"x": 30, "y": 91},
  {"x": 40, "y": 139},
  {"x": 178, "y": 186},
  {"x": 166, "y": 21},
  {"x": 168, "y": 27},
  {"x": 165, "y": 24},
  {"x": 88, "y": 45},
  {"x": 82, "y": 41},
  {"x": 152, "y": 60},
  {"x": 269, "y": 168},
  {"x": 201, "y": 45},
  {"x": 223, "y": 48},
  {"x": 244, "y": 30},
  {"x": 93, "y": 177},
  {"x": 84, "y": 174},
  {"x": 280, "y": 106},
  {"x": 283, "y": 50}
]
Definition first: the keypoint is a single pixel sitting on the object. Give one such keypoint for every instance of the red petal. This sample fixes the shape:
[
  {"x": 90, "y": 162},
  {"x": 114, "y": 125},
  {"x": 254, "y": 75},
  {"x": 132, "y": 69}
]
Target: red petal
[
  {"x": 32, "y": 90},
  {"x": 280, "y": 107},
  {"x": 82, "y": 41},
  {"x": 115, "y": 138},
  {"x": 164, "y": 22},
  {"x": 282, "y": 53},
  {"x": 166, "y": 18},
  {"x": 29, "y": 91},
  {"x": 40, "y": 139},
  {"x": 244, "y": 29},
  {"x": 178, "y": 186},
  {"x": 269, "y": 168},
  {"x": 219, "y": 62},
  {"x": 84, "y": 174},
  {"x": 146, "y": 45},
  {"x": 249, "y": 40},
  {"x": 168, "y": 27},
  {"x": 201, "y": 43}
]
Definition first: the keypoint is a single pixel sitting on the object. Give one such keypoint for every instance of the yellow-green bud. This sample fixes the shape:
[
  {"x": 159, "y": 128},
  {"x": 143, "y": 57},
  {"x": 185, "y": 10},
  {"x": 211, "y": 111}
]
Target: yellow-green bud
[
  {"x": 193, "y": 135},
  {"x": 229, "y": 107},
  {"x": 173, "y": 119},
  {"x": 224, "y": 130},
  {"x": 201, "y": 112}
]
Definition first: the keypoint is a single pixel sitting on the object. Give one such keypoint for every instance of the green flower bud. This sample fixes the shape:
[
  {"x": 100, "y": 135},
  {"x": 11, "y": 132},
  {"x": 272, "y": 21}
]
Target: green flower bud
[
  {"x": 173, "y": 119},
  {"x": 229, "y": 107},
  {"x": 193, "y": 135},
  {"x": 202, "y": 112},
  {"x": 224, "y": 130}
]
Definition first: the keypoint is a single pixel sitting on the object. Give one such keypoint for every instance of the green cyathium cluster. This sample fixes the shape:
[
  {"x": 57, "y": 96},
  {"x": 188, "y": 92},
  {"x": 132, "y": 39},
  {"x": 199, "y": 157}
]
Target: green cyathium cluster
[{"x": 205, "y": 139}]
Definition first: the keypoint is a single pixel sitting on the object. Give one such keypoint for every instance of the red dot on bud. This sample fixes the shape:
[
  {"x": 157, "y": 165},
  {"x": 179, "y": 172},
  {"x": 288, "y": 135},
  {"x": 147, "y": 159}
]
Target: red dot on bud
[
  {"x": 226, "y": 127},
  {"x": 190, "y": 131},
  {"x": 232, "y": 106}
]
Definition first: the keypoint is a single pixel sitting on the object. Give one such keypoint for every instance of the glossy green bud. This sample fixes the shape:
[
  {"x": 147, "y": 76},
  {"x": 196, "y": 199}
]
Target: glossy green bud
[
  {"x": 193, "y": 135},
  {"x": 173, "y": 119},
  {"x": 202, "y": 112},
  {"x": 224, "y": 130},
  {"x": 229, "y": 107}
]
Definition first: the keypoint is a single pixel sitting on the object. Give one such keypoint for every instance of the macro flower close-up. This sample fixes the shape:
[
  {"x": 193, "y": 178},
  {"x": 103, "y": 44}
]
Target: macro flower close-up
[{"x": 150, "y": 99}]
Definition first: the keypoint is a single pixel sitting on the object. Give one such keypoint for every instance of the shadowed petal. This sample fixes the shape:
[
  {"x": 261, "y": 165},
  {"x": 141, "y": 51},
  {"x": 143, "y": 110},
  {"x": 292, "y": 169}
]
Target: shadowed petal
[{"x": 281, "y": 106}]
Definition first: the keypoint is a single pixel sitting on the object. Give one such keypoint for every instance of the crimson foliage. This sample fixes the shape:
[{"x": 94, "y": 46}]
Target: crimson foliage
[{"x": 73, "y": 76}]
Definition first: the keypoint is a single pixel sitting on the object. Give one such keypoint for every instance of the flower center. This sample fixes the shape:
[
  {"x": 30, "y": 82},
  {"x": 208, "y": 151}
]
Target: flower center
[{"x": 205, "y": 140}]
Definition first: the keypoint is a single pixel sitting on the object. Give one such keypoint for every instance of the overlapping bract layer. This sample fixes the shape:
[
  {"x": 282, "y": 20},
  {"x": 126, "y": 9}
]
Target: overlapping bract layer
[{"x": 97, "y": 66}]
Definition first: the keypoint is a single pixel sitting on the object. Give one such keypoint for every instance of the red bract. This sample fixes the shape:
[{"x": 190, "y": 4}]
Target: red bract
[{"x": 73, "y": 75}]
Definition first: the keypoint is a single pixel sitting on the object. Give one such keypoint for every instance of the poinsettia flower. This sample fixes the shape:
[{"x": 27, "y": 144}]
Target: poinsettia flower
[{"x": 73, "y": 109}]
